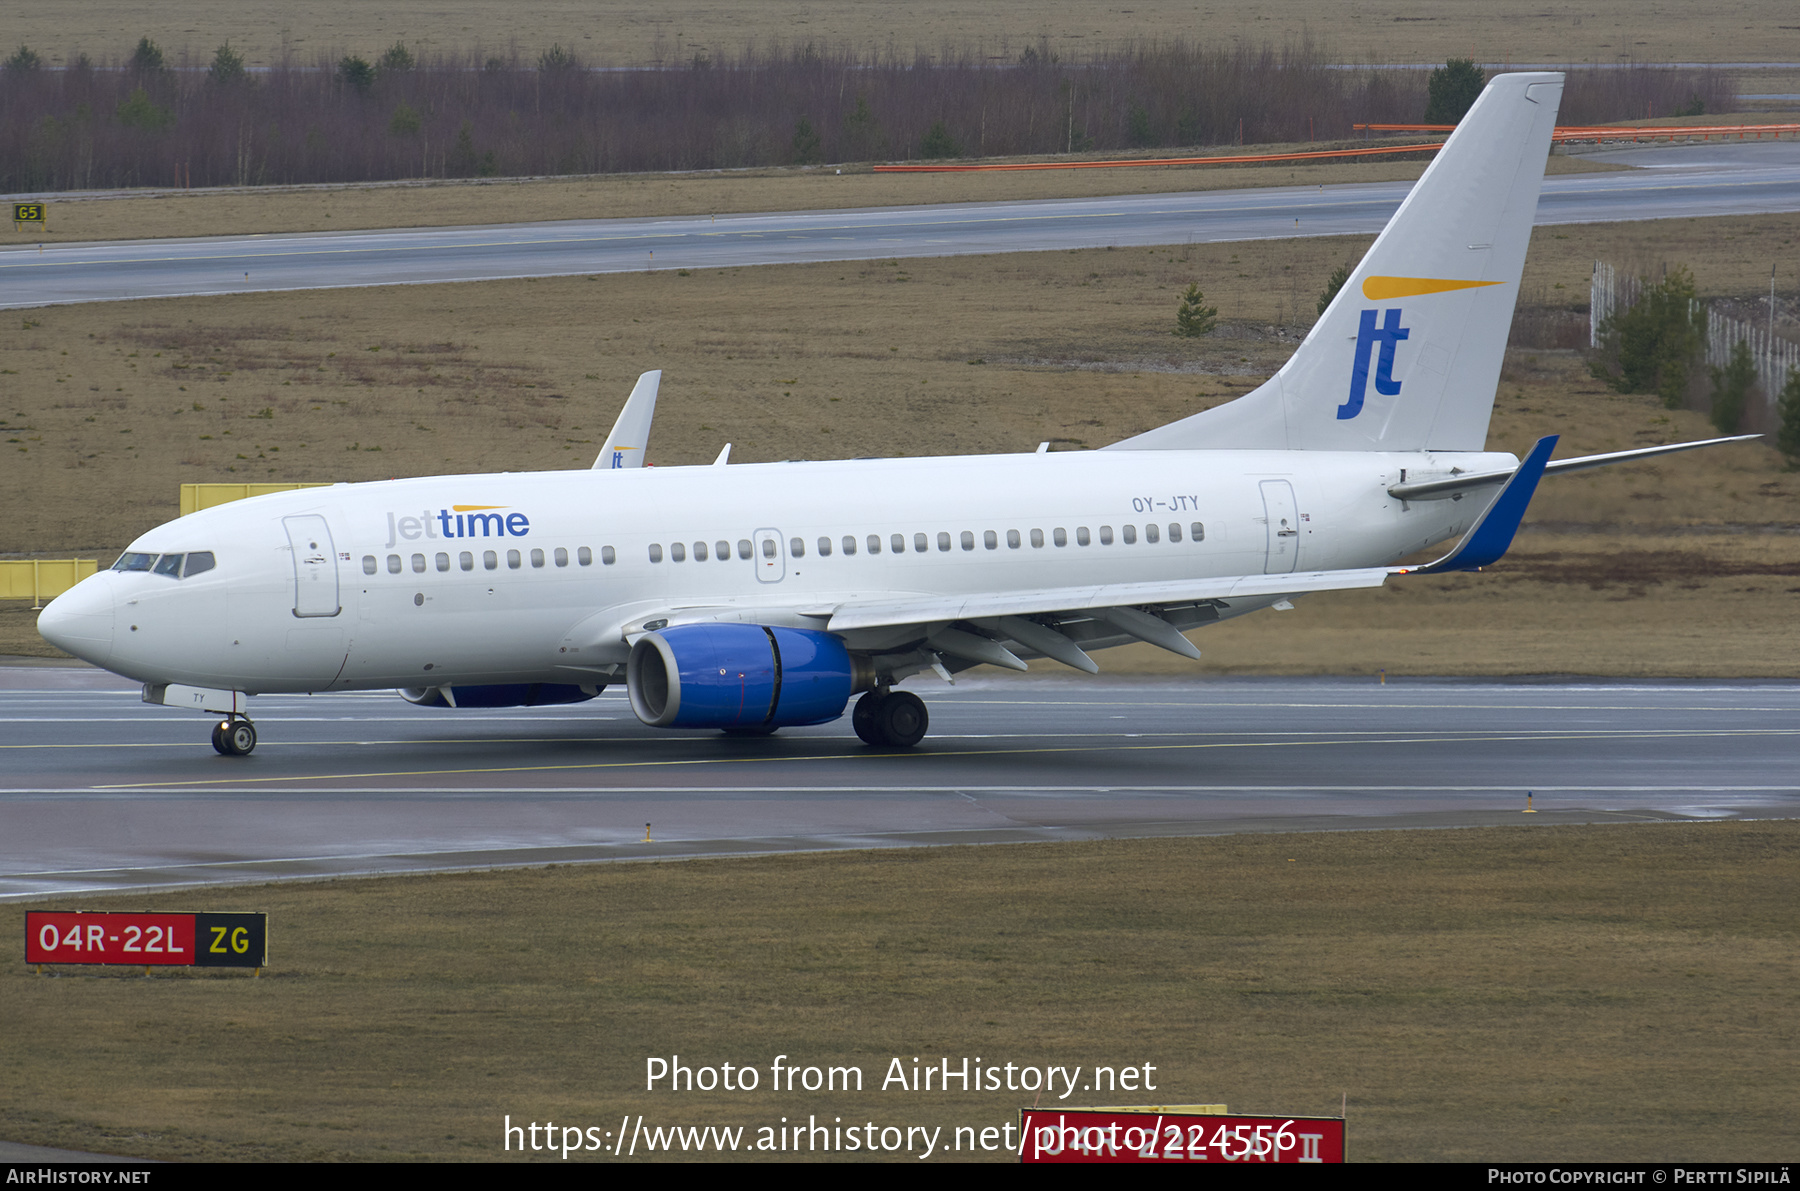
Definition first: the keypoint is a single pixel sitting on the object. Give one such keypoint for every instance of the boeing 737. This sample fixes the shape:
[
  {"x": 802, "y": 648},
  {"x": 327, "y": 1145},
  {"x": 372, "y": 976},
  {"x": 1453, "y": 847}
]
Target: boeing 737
[{"x": 754, "y": 597}]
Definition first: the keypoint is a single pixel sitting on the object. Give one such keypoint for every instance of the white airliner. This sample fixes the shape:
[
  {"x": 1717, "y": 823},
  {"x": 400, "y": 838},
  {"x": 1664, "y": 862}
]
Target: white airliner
[{"x": 751, "y": 598}]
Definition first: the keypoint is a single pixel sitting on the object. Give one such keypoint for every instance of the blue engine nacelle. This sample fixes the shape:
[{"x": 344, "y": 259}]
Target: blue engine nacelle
[
  {"x": 739, "y": 676},
  {"x": 512, "y": 694}
]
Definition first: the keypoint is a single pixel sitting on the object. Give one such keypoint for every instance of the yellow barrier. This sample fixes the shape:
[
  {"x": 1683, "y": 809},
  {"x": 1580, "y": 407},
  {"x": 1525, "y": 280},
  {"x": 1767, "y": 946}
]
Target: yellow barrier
[
  {"x": 38, "y": 579},
  {"x": 195, "y": 497}
]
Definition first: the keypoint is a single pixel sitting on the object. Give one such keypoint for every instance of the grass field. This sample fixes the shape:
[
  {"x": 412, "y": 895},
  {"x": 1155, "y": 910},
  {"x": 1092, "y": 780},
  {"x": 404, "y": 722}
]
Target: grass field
[
  {"x": 634, "y": 32},
  {"x": 1608, "y": 993},
  {"x": 114, "y": 405}
]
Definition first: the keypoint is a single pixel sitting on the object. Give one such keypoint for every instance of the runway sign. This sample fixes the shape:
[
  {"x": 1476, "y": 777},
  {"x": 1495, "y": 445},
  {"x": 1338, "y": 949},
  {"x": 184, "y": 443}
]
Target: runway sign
[
  {"x": 28, "y": 212},
  {"x": 145, "y": 940},
  {"x": 1127, "y": 1135}
]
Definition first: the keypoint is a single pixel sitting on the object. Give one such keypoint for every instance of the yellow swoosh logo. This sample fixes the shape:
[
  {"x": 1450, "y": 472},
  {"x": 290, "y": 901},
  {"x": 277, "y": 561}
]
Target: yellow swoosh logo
[{"x": 1386, "y": 289}]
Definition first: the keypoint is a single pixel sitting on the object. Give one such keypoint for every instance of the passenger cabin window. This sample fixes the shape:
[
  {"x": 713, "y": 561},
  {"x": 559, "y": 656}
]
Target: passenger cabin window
[
  {"x": 1174, "y": 531},
  {"x": 513, "y": 560},
  {"x": 1081, "y": 535},
  {"x": 944, "y": 542},
  {"x": 490, "y": 560},
  {"x": 443, "y": 562},
  {"x": 968, "y": 540},
  {"x": 824, "y": 547},
  {"x": 418, "y": 564},
  {"x": 655, "y": 553},
  {"x": 561, "y": 556},
  {"x": 1060, "y": 537},
  {"x": 369, "y": 563},
  {"x": 1197, "y": 531},
  {"x": 1106, "y": 535},
  {"x": 722, "y": 551},
  {"x": 466, "y": 561},
  {"x": 797, "y": 548},
  {"x": 677, "y": 552},
  {"x": 1037, "y": 537},
  {"x": 699, "y": 551},
  {"x": 874, "y": 543},
  {"x": 897, "y": 543},
  {"x": 1151, "y": 534},
  {"x": 849, "y": 544},
  {"x": 393, "y": 564},
  {"x": 1012, "y": 539},
  {"x": 920, "y": 543},
  {"x": 744, "y": 549},
  {"x": 768, "y": 548},
  {"x": 537, "y": 558},
  {"x": 1129, "y": 533}
]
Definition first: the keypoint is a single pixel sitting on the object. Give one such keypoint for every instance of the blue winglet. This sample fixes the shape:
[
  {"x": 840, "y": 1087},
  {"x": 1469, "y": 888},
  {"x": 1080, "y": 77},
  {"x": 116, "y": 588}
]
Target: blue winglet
[{"x": 1490, "y": 537}]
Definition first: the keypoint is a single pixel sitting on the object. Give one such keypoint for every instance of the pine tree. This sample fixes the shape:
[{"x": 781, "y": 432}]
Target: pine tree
[
  {"x": 1787, "y": 439},
  {"x": 1452, "y": 90},
  {"x": 1195, "y": 319},
  {"x": 808, "y": 145},
  {"x": 1656, "y": 340},
  {"x": 1339, "y": 275},
  {"x": 227, "y": 67},
  {"x": 1731, "y": 386},
  {"x": 939, "y": 143}
]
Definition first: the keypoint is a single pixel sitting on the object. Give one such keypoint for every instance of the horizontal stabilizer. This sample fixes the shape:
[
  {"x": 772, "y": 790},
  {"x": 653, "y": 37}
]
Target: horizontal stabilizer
[
  {"x": 1492, "y": 534},
  {"x": 1455, "y": 485}
]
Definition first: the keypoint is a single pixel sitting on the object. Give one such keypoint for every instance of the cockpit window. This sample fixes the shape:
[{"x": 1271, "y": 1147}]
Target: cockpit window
[{"x": 167, "y": 564}]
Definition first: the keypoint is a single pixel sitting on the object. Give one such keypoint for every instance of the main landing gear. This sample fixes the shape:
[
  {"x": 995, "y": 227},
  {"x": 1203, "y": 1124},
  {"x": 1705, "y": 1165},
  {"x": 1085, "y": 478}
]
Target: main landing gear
[
  {"x": 234, "y": 737},
  {"x": 890, "y": 719}
]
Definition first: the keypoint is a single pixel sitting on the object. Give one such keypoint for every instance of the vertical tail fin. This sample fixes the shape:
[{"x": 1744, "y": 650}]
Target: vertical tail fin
[
  {"x": 630, "y": 436},
  {"x": 1407, "y": 356}
]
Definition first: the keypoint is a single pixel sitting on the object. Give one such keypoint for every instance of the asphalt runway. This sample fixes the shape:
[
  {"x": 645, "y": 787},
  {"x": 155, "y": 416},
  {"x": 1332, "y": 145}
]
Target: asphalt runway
[
  {"x": 1716, "y": 179},
  {"x": 103, "y": 793}
]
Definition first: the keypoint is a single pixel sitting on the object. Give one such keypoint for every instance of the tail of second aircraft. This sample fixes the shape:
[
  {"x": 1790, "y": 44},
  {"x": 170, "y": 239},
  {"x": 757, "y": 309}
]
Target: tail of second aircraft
[{"x": 1407, "y": 356}]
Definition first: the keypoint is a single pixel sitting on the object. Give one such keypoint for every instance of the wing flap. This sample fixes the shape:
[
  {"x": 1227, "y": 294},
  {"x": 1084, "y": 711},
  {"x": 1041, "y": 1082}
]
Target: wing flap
[{"x": 871, "y": 614}]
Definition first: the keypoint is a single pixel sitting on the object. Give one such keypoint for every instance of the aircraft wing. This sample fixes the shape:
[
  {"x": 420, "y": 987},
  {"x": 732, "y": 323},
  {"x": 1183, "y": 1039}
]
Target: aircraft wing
[
  {"x": 882, "y": 613},
  {"x": 1057, "y": 621}
]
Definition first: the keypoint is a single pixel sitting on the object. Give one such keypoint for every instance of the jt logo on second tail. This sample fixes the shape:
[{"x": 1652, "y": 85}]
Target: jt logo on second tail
[{"x": 1367, "y": 336}]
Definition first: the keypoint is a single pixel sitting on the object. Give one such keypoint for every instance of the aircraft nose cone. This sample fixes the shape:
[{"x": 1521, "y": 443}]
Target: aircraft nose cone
[{"x": 80, "y": 620}]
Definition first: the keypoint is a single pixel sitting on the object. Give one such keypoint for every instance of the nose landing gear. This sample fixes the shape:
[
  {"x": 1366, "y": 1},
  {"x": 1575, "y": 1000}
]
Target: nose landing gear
[
  {"x": 234, "y": 737},
  {"x": 890, "y": 719}
]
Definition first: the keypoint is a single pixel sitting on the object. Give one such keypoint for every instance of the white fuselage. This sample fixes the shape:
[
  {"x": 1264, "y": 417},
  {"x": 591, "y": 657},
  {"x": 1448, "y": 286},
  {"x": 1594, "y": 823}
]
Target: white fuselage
[{"x": 481, "y": 579}]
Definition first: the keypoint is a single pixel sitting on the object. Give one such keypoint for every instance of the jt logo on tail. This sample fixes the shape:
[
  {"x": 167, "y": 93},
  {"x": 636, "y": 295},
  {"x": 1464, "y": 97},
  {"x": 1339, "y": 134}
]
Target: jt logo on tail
[{"x": 1367, "y": 336}]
